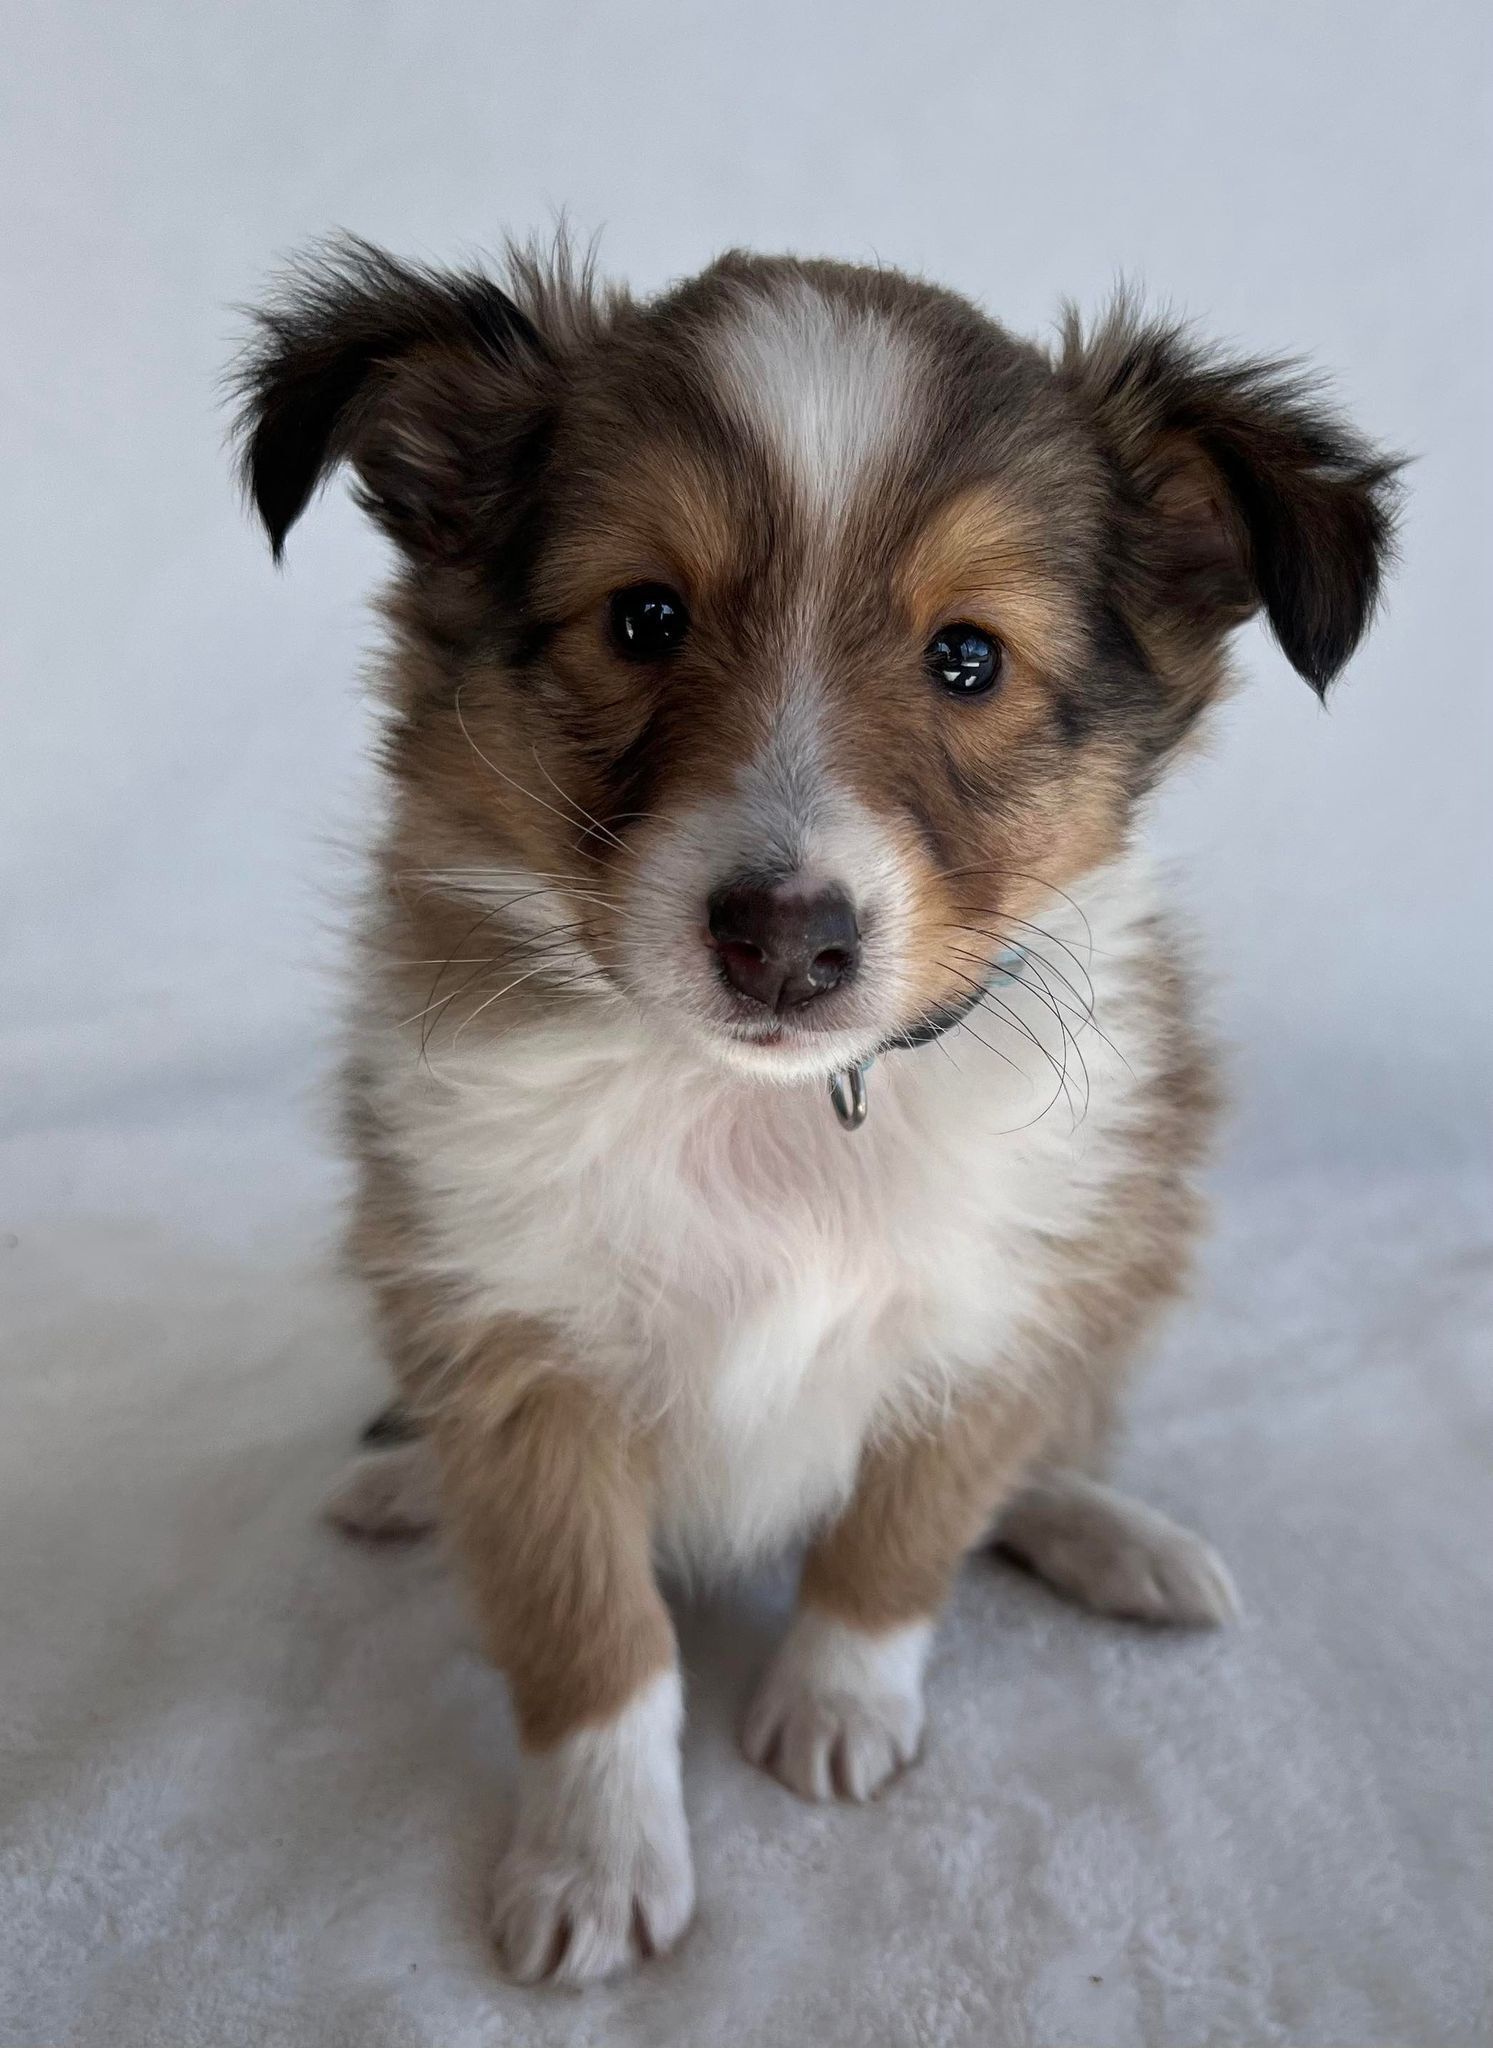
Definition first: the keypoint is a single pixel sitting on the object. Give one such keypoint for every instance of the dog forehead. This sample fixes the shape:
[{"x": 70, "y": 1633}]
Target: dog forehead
[
  {"x": 830, "y": 388},
  {"x": 791, "y": 432}
]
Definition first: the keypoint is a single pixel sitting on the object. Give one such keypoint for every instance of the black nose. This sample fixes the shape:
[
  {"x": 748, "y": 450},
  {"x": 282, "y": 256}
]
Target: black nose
[{"x": 782, "y": 944}]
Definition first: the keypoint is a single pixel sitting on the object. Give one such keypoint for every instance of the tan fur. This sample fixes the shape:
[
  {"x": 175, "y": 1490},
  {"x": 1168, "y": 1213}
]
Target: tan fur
[
  {"x": 980, "y": 558},
  {"x": 544, "y": 1490},
  {"x": 1109, "y": 1286},
  {"x": 546, "y": 1500},
  {"x": 921, "y": 1501},
  {"x": 663, "y": 518}
]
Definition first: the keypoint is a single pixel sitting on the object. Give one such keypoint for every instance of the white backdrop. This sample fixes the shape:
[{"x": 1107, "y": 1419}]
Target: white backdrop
[
  {"x": 182, "y": 732},
  {"x": 251, "y": 1781}
]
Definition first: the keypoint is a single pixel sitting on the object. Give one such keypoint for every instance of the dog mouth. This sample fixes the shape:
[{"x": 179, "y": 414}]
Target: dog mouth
[
  {"x": 795, "y": 1024},
  {"x": 771, "y": 1034},
  {"x": 839, "y": 1043},
  {"x": 822, "y": 1023},
  {"x": 789, "y": 1046}
]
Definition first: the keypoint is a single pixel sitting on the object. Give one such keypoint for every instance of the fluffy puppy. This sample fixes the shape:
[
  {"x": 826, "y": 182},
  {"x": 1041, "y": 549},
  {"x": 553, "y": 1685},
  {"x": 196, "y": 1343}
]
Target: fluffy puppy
[{"x": 772, "y": 1082}]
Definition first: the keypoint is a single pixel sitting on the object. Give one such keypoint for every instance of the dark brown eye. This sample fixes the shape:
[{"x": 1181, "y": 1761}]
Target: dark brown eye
[
  {"x": 648, "y": 621},
  {"x": 964, "y": 660}
]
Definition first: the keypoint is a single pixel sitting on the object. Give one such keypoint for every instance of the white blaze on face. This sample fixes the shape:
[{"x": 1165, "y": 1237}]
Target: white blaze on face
[
  {"x": 826, "y": 390},
  {"x": 785, "y": 798},
  {"x": 826, "y": 386},
  {"x": 792, "y": 815}
]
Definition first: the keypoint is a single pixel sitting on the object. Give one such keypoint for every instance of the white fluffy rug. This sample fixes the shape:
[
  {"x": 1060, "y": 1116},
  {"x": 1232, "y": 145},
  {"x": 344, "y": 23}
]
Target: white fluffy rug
[{"x": 253, "y": 1777}]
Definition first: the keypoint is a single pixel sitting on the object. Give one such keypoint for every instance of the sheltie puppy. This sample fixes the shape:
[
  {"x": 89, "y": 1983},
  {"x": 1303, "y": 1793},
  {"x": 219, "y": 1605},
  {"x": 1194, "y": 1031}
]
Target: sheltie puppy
[{"x": 771, "y": 1076}]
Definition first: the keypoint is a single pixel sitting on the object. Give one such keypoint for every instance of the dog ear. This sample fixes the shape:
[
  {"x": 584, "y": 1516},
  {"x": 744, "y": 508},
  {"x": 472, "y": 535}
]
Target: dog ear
[
  {"x": 1238, "y": 488},
  {"x": 428, "y": 383}
]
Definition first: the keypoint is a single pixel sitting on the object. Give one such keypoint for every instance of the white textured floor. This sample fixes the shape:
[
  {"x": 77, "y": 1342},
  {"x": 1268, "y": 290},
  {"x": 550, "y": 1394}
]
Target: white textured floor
[{"x": 253, "y": 1778}]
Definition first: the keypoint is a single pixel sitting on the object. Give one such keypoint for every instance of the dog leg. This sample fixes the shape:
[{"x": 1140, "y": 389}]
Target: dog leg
[
  {"x": 1114, "y": 1554},
  {"x": 547, "y": 1506},
  {"x": 840, "y": 1709},
  {"x": 386, "y": 1496}
]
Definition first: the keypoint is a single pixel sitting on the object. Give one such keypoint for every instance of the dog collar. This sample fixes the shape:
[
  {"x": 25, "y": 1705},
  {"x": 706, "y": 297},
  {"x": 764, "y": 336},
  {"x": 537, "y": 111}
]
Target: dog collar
[{"x": 849, "y": 1090}]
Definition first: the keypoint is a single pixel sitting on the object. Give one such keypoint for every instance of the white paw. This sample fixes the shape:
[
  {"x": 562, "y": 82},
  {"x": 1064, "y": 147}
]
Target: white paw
[
  {"x": 386, "y": 1495},
  {"x": 1116, "y": 1555},
  {"x": 598, "y": 1876},
  {"x": 1180, "y": 1581},
  {"x": 839, "y": 1710}
]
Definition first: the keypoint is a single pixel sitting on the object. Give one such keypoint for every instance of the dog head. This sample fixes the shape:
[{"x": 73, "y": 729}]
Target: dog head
[{"x": 789, "y": 637}]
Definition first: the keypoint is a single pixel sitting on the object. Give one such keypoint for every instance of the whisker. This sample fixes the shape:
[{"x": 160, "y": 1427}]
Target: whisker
[
  {"x": 566, "y": 797},
  {"x": 1066, "y": 1039},
  {"x": 1016, "y": 875},
  {"x": 1015, "y": 1130},
  {"x": 507, "y": 989},
  {"x": 1088, "y": 1020},
  {"x": 434, "y": 1002},
  {"x": 1072, "y": 902},
  {"x": 484, "y": 868},
  {"x": 1087, "y": 996},
  {"x": 567, "y": 887},
  {"x": 965, "y": 1025},
  {"x": 1062, "y": 1073},
  {"x": 465, "y": 939},
  {"x": 504, "y": 776},
  {"x": 1086, "y": 1011},
  {"x": 441, "y": 1003},
  {"x": 1017, "y": 975},
  {"x": 963, "y": 1021},
  {"x": 511, "y": 901},
  {"x": 1009, "y": 1015},
  {"x": 1069, "y": 1039},
  {"x": 1006, "y": 917},
  {"x": 1006, "y": 940},
  {"x": 567, "y": 975}
]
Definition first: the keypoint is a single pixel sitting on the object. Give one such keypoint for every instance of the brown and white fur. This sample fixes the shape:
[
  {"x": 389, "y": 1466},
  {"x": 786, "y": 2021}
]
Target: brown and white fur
[{"x": 645, "y": 1301}]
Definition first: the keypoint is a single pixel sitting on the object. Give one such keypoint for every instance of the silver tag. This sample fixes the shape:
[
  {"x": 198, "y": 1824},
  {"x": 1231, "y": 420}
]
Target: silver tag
[{"x": 847, "y": 1091}]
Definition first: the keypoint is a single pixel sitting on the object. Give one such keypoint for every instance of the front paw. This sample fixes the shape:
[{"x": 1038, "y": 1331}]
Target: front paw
[
  {"x": 598, "y": 1877},
  {"x": 578, "y": 1919},
  {"x": 386, "y": 1495},
  {"x": 840, "y": 1710}
]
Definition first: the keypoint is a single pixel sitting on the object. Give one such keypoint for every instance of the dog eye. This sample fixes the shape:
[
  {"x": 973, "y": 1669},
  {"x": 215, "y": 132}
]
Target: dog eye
[
  {"x": 648, "y": 621},
  {"x": 966, "y": 661}
]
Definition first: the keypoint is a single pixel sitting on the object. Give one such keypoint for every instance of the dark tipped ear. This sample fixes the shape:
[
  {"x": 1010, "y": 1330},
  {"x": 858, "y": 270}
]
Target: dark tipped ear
[
  {"x": 400, "y": 370},
  {"x": 1239, "y": 488}
]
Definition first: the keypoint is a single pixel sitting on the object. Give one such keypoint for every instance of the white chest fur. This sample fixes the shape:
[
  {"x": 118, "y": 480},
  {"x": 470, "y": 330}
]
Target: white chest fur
[{"x": 753, "y": 1281}]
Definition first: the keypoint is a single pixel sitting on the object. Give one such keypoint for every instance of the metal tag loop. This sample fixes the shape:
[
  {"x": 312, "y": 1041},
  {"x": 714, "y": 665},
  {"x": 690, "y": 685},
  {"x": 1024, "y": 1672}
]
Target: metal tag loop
[{"x": 847, "y": 1091}]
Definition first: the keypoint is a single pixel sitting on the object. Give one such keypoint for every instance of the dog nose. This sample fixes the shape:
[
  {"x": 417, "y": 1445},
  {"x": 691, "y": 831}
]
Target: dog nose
[{"x": 781, "y": 944}]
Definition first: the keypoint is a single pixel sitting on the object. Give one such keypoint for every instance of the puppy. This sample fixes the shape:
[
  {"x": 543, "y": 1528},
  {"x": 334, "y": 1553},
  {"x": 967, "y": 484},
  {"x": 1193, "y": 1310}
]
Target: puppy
[{"x": 772, "y": 1080}]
